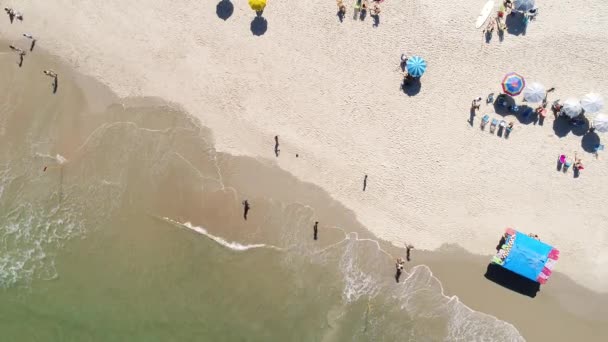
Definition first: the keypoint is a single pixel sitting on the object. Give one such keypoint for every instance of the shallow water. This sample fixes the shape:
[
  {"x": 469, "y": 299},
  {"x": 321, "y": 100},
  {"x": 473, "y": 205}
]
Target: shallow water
[{"x": 135, "y": 232}]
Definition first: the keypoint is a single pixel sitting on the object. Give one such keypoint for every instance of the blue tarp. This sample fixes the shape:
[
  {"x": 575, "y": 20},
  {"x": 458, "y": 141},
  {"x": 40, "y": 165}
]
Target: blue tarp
[{"x": 527, "y": 256}]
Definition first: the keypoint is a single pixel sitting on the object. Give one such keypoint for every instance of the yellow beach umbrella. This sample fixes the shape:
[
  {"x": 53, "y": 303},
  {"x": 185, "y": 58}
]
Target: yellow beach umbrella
[{"x": 257, "y": 5}]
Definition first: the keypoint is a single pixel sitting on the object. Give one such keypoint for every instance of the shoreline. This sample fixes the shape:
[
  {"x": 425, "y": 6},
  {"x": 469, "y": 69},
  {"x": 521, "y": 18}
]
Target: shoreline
[
  {"x": 297, "y": 191},
  {"x": 411, "y": 165}
]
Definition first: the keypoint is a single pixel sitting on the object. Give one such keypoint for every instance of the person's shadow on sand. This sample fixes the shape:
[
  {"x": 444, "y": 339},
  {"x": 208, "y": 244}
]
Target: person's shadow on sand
[
  {"x": 259, "y": 25},
  {"x": 224, "y": 9},
  {"x": 471, "y": 116},
  {"x": 376, "y": 18},
  {"x": 55, "y": 84}
]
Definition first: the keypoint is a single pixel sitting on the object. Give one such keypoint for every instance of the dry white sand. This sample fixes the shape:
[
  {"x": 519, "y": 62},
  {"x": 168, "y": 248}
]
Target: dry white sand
[{"x": 331, "y": 91}]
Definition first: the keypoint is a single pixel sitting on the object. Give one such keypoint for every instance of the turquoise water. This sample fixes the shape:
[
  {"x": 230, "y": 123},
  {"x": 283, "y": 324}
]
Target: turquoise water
[{"x": 134, "y": 233}]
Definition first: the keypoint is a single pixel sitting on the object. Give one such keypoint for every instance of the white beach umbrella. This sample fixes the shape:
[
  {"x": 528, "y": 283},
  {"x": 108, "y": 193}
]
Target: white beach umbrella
[
  {"x": 600, "y": 123},
  {"x": 534, "y": 92},
  {"x": 592, "y": 103},
  {"x": 572, "y": 108}
]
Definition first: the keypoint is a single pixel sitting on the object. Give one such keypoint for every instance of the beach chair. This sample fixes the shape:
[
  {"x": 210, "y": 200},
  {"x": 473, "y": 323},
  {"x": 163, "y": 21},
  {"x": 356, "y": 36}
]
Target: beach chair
[
  {"x": 493, "y": 125},
  {"x": 484, "y": 121},
  {"x": 566, "y": 163},
  {"x": 490, "y": 98}
]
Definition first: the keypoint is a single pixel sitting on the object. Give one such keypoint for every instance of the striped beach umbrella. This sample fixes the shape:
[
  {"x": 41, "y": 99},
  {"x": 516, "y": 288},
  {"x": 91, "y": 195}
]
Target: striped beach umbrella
[
  {"x": 257, "y": 5},
  {"x": 513, "y": 84},
  {"x": 416, "y": 66},
  {"x": 592, "y": 103}
]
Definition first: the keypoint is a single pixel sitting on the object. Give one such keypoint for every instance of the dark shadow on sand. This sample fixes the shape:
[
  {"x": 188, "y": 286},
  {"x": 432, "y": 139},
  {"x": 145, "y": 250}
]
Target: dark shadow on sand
[
  {"x": 501, "y": 109},
  {"x": 259, "y": 25},
  {"x": 224, "y": 9},
  {"x": 561, "y": 126},
  {"x": 525, "y": 114},
  {"x": 515, "y": 24},
  {"x": 581, "y": 129},
  {"x": 472, "y": 116},
  {"x": 55, "y": 85},
  {"x": 512, "y": 281},
  {"x": 411, "y": 87},
  {"x": 590, "y": 141},
  {"x": 488, "y": 36},
  {"x": 340, "y": 15}
]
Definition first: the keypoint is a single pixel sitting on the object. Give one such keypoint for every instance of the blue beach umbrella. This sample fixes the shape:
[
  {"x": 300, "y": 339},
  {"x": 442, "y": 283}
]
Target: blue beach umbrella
[
  {"x": 524, "y": 5},
  {"x": 513, "y": 84},
  {"x": 416, "y": 66}
]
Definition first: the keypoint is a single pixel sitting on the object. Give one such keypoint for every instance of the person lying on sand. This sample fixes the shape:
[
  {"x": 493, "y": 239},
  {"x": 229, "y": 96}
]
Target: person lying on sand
[
  {"x": 50, "y": 73},
  {"x": 16, "y": 49}
]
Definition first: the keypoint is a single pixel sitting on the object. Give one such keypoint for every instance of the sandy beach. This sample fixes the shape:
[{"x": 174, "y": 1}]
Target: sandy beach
[{"x": 331, "y": 91}]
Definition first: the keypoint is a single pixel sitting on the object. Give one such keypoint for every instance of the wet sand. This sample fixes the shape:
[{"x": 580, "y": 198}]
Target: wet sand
[{"x": 159, "y": 183}]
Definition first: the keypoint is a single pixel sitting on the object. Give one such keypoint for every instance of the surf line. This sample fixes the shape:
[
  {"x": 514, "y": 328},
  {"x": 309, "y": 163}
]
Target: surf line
[{"x": 235, "y": 246}]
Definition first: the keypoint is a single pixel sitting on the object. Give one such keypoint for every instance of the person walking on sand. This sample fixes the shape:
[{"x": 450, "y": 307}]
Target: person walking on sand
[
  {"x": 276, "y": 145},
  {"x": 21, "y": 56},
  {"x": 399, "y": 268},
  {"x": 29, "y": 36},
  {"x": 315, "y": 230},
  {"x": 364, "y": 182},
  {"x": 246, "y": 208}
]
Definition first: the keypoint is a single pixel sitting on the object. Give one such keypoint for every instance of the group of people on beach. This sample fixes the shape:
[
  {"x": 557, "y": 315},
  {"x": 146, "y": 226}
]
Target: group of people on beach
[
  {"x": 22, "y": 53},
  {"x": 12, "y": 14},
  {"x": 362, "y": 6},
  {"x": 498, "y": 21}
]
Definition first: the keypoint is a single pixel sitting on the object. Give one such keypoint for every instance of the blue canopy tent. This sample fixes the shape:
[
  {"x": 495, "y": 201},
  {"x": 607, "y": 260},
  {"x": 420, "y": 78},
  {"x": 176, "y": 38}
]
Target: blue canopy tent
[{"x": 526, "y": 256}]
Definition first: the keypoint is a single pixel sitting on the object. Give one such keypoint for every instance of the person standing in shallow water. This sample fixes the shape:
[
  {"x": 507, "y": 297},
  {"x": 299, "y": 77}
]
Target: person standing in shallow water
[
  {"x": 364, "y": 182},
  {"x": 399, "y": 267},
  {"x": 315, "y": 230},
  {"x": 408, "y": 250},
  {"x": 246, "y": 208}
]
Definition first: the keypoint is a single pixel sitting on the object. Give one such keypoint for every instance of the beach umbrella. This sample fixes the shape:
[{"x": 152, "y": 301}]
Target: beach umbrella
[
  {"x": 572, "y": 108},
  {"x": 534, "y": 92},
  {"x": 257, "y": 5},
  {"x": 513, "y": 83},
  {"x": 600, "y": 123},
  {"x": 524, "y": 5},
  {"x": 416, "y": 66},
  {"x": 592, "y": 103}
]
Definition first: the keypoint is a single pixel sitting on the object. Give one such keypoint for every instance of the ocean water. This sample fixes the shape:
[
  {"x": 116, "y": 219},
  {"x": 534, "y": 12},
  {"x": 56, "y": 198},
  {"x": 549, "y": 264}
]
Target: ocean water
[{"x": 135, "y": 233}]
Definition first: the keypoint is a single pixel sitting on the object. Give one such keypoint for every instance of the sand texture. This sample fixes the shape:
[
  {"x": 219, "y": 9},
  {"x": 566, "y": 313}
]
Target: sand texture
[{"x": 331, "y": 91}]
